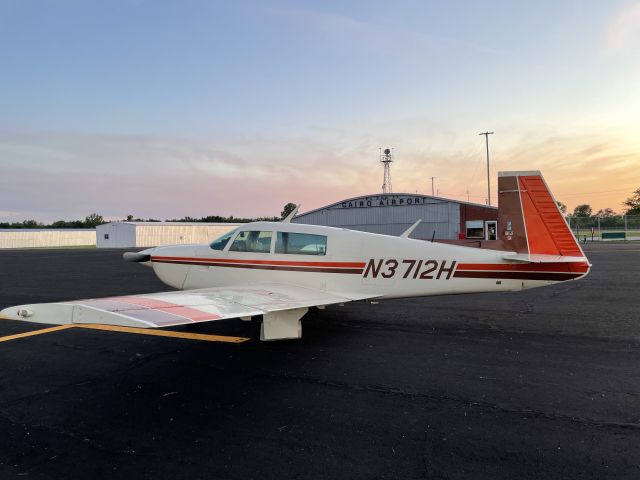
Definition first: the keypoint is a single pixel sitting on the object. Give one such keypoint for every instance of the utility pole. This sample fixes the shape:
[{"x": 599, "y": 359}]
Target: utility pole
[
  {"x": 486, "y": 137},
  {"x": 432, "y": 179}
]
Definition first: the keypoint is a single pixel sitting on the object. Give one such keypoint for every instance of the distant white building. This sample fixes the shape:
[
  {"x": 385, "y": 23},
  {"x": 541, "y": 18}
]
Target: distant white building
[
  {"x": 154, "y": 234},
  {"x": 47, "y": 237}
]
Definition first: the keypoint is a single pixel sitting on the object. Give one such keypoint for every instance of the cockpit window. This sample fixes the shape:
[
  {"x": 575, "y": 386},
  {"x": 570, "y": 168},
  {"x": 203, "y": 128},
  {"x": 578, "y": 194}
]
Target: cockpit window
[
  {"x": 221, "y": 242},
  {"x": 301, "y": 243},
  {"x": 252, "y": 241}
]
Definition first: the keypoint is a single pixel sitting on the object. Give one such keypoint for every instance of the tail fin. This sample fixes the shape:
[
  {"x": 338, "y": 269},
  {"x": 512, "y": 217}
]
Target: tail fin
[{"x": 529, "y": 218}]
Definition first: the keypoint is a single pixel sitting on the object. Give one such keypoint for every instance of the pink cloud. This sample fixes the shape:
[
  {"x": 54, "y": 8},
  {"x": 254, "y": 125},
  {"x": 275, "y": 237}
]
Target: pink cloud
[
  {"x": 72, "y": 176},
  {"x": 623, "y": 29}
]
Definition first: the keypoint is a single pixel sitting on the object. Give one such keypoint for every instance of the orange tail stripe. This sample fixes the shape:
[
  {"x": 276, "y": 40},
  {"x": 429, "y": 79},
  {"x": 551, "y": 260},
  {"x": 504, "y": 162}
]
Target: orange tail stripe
[{"x": 547, "y": 231}]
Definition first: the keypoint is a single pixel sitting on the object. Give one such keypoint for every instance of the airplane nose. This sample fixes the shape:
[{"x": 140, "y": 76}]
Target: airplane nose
[{"x": 171, "y": 263}]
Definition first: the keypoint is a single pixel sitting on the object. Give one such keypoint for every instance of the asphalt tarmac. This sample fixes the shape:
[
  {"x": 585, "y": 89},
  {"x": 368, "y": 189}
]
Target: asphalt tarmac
[{"x": 540, "y": 384}]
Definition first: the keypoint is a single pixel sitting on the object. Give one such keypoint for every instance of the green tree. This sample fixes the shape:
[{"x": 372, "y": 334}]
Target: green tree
[
  {"x": 562, "y": 207},
  {"x": 288, "y": 208},
  {"x": 606, "y": 213},
  {"x": 129, "y": 218},
  {"x": 93, "y": 220},
  {"x": 609, "y": 218},
  {"x": 582, "y": 211},
  {"x": 633, "y": 202},
  {"x": 31, "y": 224}
]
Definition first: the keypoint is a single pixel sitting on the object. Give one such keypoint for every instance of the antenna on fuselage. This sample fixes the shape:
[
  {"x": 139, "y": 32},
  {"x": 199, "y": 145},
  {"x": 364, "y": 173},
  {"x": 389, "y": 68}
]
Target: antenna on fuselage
[
  {"x": 288, "y": 218},
  {"x": 408, "y": 231}
]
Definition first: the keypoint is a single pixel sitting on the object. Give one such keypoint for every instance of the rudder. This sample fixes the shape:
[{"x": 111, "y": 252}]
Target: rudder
[{"x": 528, "y": 207}]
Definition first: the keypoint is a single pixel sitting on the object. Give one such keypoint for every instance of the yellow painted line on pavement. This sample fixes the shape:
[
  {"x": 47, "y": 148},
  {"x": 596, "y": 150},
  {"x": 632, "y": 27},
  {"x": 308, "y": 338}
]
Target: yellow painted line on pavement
[
  {"x": 34, "y": 332},
  {"x": 165, "y": 333},
  {"x": 138, "y": 331}
]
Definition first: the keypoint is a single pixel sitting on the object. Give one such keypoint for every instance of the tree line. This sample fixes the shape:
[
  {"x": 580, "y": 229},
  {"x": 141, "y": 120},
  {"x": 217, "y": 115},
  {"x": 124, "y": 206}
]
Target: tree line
[
  {"x": 93, "y": 220},
  {"x": 584, "y": 210}
]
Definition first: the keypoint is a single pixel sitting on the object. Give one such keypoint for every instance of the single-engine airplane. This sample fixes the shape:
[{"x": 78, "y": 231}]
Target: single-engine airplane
[{"x": 280, "y": 269}]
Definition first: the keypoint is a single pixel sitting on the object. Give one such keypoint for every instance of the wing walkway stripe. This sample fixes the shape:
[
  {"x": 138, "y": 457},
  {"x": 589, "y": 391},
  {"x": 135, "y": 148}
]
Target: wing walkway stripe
[{"x": 176, "y": 309}]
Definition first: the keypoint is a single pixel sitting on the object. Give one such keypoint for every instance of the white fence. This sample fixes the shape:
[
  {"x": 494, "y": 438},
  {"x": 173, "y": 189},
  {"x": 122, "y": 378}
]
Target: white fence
[
  {"x": 596, "y": 228},
  {"x": 34, "y": 238}
]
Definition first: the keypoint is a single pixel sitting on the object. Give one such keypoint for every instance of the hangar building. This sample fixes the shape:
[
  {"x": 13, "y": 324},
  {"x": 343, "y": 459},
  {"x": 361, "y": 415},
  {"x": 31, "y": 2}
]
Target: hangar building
[
  {"x": 47, "y": 237},
  {"x": 153, "y": 234},
  {"x": 393, "y": 213}
]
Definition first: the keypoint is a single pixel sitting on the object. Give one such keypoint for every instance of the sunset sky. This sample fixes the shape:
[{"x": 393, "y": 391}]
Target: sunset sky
[{"x": 170, "y": 108}]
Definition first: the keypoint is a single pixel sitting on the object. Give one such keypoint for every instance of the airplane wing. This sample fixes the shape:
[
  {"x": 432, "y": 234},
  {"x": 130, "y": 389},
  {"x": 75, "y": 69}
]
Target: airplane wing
[{"x": 281, "y": 305}]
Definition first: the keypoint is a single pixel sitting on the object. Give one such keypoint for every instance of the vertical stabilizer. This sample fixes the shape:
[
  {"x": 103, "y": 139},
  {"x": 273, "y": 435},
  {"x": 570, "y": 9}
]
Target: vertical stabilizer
[{"x": 529, "y": 218}]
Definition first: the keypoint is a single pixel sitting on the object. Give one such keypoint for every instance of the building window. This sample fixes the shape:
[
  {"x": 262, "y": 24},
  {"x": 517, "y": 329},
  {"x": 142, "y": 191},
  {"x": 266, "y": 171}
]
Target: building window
[
  {"x": 106, "y": 236},
  {"x": 475, "y": 229},
  {"x": 252, "y": 241},
  {"x": 301, "y": 244}
]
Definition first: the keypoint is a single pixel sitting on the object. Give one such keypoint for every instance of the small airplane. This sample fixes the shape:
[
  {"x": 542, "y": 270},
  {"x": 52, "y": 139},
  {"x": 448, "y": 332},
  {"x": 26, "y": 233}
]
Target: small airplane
[{"x": 278, "y": 270}]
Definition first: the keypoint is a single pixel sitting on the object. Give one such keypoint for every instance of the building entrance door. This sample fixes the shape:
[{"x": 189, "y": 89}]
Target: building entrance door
[{"x": 491, "y": 229}]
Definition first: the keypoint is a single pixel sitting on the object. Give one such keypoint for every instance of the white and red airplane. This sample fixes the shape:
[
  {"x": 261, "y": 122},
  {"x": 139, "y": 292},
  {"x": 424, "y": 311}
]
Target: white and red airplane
[{"x": 279, "y": 270}]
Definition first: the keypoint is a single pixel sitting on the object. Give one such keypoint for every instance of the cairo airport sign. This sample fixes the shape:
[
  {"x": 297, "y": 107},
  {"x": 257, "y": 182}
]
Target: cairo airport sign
[{"x": 386, "y": 201}]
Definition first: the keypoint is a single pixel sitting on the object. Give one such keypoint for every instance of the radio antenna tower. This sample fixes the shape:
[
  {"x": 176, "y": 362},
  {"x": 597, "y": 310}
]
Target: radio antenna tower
[{"x": 386, "y": 157}]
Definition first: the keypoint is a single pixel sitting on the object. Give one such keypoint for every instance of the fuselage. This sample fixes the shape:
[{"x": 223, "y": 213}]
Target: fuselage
[{"x": 347, "y": 261}]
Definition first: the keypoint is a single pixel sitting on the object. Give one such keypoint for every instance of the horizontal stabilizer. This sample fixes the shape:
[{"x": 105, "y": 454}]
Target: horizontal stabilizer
[
  {"x": 409, "y": 230},
  {"x": 542, "y": 258}
]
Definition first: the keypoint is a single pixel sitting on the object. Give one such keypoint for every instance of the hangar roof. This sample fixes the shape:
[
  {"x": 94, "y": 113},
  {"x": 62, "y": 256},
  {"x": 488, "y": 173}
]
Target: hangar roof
[
  {"x": 178, "y": 224},
  {"x": 424, "y": 199}
]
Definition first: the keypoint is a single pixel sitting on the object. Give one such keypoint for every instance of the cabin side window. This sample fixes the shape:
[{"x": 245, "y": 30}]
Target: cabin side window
[
  {"x": 221, "y": 242},
  {"x": 301, "y": 243},
  {"x": 252, "y": 241}
]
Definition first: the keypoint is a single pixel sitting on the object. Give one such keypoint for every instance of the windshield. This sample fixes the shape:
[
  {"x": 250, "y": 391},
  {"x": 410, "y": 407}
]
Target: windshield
[{"x": 221, "y": 242}]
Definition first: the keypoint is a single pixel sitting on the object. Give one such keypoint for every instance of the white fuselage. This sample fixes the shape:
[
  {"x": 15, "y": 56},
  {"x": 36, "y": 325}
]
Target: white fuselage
[{"x": 355, "y": 262}]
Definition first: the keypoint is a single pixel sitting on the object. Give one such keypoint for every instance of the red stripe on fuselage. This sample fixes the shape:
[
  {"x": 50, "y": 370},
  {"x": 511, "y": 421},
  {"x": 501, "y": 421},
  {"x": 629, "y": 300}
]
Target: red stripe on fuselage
[
  {"x": 560, "y": 267},
  {"x": 550, "y": 276},
  {"x": 262, "y": 262}
]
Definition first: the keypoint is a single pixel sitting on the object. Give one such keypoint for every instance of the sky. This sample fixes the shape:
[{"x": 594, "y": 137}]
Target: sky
[{"x": 165, "y": 109}]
